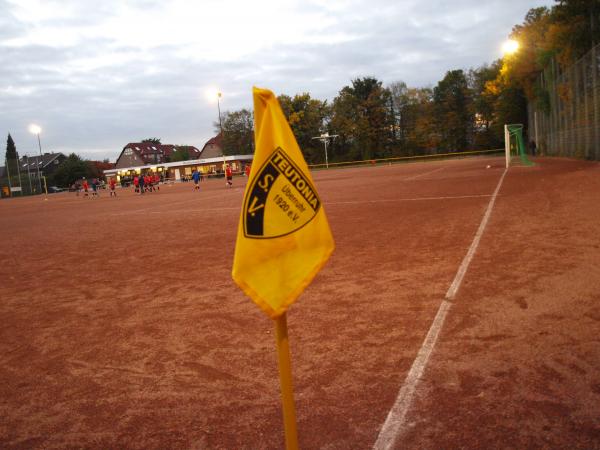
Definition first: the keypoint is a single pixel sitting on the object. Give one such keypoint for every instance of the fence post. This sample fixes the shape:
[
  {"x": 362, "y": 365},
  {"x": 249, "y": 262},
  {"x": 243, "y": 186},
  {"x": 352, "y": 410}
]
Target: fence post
[
  {"x": 586, "y": 115},
  {"x": 595, "y": 88}
]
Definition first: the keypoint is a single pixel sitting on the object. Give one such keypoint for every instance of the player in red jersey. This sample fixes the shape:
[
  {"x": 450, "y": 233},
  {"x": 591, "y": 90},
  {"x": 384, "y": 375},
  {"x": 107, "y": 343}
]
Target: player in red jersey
[
  {"x": 111, "y": 184},
  {"x": 229, "y": 175}
]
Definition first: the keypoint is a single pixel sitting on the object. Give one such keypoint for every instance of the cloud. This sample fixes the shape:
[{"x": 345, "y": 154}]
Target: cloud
[{"x": 98, "y": 75}]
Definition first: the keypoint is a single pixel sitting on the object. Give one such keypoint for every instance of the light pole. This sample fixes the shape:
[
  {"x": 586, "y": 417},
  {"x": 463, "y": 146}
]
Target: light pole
[
  {"x": 221, "y": 128},
  {"x": 211, "y": 94},
  {"x": 219, "y": 108},
  {"x": 29, "y": 176},
  {"x": 326, "y": 138},
  {"x": 36, "y": 129}
]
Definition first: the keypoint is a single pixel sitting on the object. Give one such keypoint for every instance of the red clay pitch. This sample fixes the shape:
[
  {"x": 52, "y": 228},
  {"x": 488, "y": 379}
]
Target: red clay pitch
[{"x": 122, "y": 328}]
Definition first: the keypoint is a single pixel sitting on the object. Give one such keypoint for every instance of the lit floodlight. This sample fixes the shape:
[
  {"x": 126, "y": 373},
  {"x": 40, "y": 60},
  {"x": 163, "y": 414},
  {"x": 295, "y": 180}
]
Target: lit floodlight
[
  {"x": 35, "y": 129},
  {"x": 213, "y": 94},
  {"x": 510, "y": 47}
]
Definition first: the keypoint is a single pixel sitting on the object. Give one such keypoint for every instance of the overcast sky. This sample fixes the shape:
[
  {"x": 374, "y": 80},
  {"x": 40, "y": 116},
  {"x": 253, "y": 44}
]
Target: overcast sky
[{"x": 96, "y": 75}]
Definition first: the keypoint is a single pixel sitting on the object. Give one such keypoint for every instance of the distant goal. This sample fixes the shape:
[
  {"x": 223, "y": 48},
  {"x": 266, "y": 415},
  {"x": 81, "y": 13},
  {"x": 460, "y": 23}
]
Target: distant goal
[{"x": 514, "y": 146}]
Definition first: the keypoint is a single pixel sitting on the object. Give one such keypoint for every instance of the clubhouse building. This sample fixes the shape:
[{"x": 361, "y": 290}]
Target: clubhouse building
[{"x": 149, "y": 157}]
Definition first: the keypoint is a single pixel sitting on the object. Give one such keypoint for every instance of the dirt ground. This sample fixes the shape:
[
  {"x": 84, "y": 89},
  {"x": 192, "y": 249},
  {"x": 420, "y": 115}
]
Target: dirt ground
[{"x": 122, "y": 328}]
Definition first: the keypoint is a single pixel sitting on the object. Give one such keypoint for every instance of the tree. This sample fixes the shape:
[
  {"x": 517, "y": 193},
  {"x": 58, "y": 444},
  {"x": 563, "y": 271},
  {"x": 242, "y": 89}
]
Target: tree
[
  {"x": 73, "y": 168},
  {"x": 11, "y": 156},
  {"x": 306, "y": 117},
  {"x": 516, "y": 79},
  {"x": 422, "y": 135},
  {"x": 238, "y": 132},
  {"x": 452, "y": 111},
  {"x": 180, "y": 153},
  {"x": 510, "y": 107},
  {"x": 414, "y": 129},
  {"x": 399, "y": 99},
  {"x": 521, "y": 69},
  {"x": 152, "y": 140},
  {"x": 362, "y": 116},
  {"x": 574, "y": 28},
  {"x": 484, "y": 105},
  {"x": 93, "y": 171}
]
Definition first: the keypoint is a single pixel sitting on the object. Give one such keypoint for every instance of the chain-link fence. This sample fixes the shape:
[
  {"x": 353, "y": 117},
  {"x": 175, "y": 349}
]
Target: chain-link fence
[
  {"x": 564, "y": 120},
  {"x": 17, "y": 182}
]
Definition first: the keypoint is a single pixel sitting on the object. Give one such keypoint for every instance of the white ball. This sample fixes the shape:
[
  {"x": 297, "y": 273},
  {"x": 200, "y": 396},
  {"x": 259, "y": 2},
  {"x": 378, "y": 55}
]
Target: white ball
[{"x": 488, "y": 166}]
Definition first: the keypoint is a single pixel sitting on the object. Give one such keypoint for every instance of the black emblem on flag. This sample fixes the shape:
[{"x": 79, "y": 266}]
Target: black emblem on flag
[{"x": 280, "y": 201}]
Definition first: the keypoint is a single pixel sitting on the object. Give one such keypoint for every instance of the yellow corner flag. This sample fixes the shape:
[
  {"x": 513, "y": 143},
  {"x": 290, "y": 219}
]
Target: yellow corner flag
[{"x": 283, "y": 236}]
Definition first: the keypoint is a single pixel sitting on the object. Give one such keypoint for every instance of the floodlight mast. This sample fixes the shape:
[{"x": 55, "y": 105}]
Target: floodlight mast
[
  {"x": 36, "y": 129},
  {"x": 326, "y": 138}
]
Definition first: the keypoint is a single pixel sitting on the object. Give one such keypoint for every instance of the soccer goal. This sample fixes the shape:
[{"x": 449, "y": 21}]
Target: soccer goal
[{"x": 514, "y": 145}]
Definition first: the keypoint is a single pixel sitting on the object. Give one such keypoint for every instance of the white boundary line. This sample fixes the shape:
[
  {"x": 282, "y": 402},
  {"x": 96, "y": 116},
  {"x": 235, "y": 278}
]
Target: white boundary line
[
  {"x": 423, "y": 174},
  {"x": 336, "y": 203},
  {"x": 395, "y": 421},
  {"x": 148, "y": 208},
  {"x": 415, "y": 199},
  {"x": 200, "y": 210},
  {"x": 224, "y": 208}
]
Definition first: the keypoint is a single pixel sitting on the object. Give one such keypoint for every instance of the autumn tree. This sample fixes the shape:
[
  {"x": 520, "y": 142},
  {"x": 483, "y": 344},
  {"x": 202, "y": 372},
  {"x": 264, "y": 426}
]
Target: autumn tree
[
  {"x": 361, "y": 115},
  {"x": 73, "y": 168},
  {"x": 574, "y": 29},
  {"x": 415, "y": 131},
  {"x": 307, "y": 118},
  {"x": 484, "y": 103},
  {"x": 453, "y": 112},
  {"x": 238, "y": 132},
  {"x": 516, "y": 81},
  {"x": 422, "y": 133}
]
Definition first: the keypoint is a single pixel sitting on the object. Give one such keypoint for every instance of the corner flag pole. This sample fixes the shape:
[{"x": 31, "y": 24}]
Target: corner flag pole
[
  {"x": 285, "y": 377},
  {"x": 270, "y": 239}
]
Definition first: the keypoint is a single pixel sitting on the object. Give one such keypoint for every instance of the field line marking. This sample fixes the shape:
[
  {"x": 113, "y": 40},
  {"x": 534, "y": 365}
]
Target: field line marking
[
  {"x": 168, "y": 211},
  {"x": 73, "y": 199},
  {"x": 423, "y": 174},
  {"x": 393, "y": 425},
  {"x": 415, "y": 199},
  {"x": 469, "y": 256},
  {"x": 148, "y": 208},
  {"x": 224, "y": 208}
]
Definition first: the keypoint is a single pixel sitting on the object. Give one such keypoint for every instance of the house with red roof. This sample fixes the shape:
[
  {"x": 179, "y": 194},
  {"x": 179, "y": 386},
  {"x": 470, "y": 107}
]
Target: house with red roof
[
  {"x": 213, "y": 147},
  {"x": 150, "y": 157},
  {"x": 137, "y": 154}
]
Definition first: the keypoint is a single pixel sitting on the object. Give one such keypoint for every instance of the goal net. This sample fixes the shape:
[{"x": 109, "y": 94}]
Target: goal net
[{"x": 514, "y": 146}]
